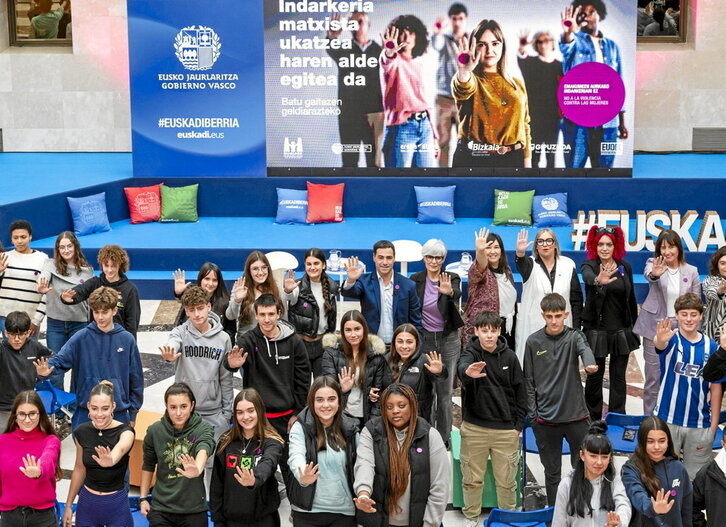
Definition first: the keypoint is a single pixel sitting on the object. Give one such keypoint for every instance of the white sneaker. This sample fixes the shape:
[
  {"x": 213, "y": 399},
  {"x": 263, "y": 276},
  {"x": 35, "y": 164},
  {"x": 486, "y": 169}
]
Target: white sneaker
[{"x": 470, "y": 523}]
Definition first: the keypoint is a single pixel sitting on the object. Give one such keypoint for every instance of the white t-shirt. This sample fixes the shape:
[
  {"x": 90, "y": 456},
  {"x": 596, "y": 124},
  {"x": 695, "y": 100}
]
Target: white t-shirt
[{"x": 674, "y": 288}]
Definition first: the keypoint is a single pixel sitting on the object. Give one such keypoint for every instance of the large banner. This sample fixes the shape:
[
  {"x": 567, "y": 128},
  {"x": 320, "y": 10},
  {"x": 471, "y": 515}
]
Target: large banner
[
  {"x": 197, "y": 88},
  {"x": 497, "y": 83}
]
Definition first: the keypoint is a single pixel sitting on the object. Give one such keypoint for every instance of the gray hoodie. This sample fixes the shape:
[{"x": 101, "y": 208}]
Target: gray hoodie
[{"x": 201, "y": 365}]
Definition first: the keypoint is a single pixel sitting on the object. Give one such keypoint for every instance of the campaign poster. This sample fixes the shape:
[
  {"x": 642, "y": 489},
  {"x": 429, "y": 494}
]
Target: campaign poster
[
  {"x": 197, "y": 92},
  {"x": 442, "y": 85}
]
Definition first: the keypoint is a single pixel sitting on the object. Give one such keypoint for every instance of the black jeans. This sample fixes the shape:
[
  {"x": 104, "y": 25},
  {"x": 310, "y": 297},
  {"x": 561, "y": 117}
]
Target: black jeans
[
  {"x": 168, "y": 519},
  {"x": 315, "y": 356},
  {"x": 29, "y": 517},
  {"x": 549, "y": 443},
  {"x": 593, "y": 386}
]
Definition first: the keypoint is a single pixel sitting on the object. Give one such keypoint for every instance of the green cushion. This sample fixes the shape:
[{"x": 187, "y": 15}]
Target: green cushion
[
  {"x": 179, "y": 203},
  {"x": 513, "y": 208}
]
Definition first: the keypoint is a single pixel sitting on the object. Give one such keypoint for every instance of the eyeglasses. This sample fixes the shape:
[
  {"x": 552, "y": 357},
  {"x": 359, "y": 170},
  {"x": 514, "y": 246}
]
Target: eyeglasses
[
  {"x": 434, "y": 258},
  {"x": 605, "y": 230},
  {"x": 546, "y": 241},
  {"x": 543, "y": 40},
  {"x": 16, "y": 336},
  {"x": 32, "y": 416}
]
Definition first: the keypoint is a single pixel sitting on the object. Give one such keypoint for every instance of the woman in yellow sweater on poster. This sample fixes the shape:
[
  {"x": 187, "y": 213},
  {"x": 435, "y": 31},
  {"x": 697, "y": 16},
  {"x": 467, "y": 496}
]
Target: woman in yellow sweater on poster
[{"x": 494, "y": 129}]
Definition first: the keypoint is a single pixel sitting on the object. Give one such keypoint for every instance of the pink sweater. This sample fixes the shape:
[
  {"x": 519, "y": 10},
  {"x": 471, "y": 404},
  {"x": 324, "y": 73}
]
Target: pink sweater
[
  {"x": 18, "y": 490},
  {"x": 403, "y": 89}
]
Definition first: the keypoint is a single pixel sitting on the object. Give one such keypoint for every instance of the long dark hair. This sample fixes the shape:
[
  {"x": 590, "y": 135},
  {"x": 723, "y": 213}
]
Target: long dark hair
[
  {"x": 331, "y": 436},
  {"x": 398, "y": 462},
  {"x": 640, "y": 457},
  {"x": 180, "y": 388},
  {"x": 221, "y": 294},
  {"x": 503, "y": 265},
  {"x": 394, "y": 360},
  {"x": 44, "y": 422},
  {"x": 264, "y": 428},
  {"x": 79, "y": 260},
  {"x": 324, "y": 283},
  {"x": 595, "y": 442},
  {"x": 355, "y": 363},
  {"x": 269, "y": 285}
]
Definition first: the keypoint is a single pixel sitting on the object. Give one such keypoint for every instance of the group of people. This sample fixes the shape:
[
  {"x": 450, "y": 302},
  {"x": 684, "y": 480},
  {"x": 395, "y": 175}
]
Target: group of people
[
  {"x": 499, "y": 119},
  {"x": 379, "y": 410}
]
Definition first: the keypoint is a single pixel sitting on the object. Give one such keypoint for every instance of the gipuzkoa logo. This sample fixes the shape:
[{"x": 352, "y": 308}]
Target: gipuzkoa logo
[
  {"x": 197, "y": 47},
  {"x": 293, "y": 149}
]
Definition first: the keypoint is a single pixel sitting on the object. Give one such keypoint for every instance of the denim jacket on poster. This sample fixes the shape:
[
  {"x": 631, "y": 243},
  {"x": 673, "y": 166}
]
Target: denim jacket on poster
[{"x": 582, "y": 49}]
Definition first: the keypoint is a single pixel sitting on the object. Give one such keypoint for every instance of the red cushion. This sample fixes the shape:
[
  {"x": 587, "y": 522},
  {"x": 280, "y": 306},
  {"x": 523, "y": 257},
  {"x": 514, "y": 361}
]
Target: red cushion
[
  {"x": 325, "y": 203},
  {"x": 144, "y": 203}
]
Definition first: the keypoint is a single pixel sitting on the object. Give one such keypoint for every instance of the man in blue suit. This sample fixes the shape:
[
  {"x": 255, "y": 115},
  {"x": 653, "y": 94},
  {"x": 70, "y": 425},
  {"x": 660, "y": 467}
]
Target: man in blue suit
[{"x": 387, "y": 299}]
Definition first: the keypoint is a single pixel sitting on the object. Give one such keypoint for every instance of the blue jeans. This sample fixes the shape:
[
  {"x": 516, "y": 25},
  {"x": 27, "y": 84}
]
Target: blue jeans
[
  {"x": 56, "y": 335},
  {"x": 585, "y": 142},
  {"x": 410, "y": 144}
]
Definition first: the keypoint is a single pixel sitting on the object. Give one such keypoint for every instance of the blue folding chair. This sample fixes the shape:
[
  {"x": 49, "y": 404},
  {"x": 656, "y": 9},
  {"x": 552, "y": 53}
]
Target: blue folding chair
[
  {"x": 620, "y": 426},
  {"x": 54, "y": 400},
  {"x": 529, "y": 444},
  {"x": 503, "y": 518}
]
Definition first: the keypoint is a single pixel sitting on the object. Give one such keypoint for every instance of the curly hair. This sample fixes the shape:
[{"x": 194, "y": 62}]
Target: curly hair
[
  {"x": 103, "y": 298},
  {"x": 116, "y": 254},
  {"x": 615, "y": 233},
  {"x": 413, "y": 24},
  {"x": 195, "y": 296},
  {"x": 599, "y": 6}
]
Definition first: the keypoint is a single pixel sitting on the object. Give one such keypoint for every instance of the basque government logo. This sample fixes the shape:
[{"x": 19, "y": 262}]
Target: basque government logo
[{"x": 197, "y": 47}]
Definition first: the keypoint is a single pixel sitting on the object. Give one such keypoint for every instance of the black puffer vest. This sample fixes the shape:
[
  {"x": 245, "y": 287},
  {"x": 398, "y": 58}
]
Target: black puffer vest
[
  {"x": 419, "y": 458},
  {"x": 305, "y": 313},
  {"x": 303, "y": 497}
]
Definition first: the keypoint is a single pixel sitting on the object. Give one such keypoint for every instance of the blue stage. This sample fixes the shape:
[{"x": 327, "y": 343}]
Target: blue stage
[{"x": 237, "y": 214}]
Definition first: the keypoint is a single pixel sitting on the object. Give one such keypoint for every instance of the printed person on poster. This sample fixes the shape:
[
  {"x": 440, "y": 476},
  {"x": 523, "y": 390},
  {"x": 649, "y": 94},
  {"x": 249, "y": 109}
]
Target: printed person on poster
[
  {"x": 542, "y": 74},
  {"x": 582, "y": 41},
  {"x": 444, "y": 43},
  {"x": 409, "y": 139},
  {"x": 360, "y": 122},
  {"x": 494, "y": 129}
]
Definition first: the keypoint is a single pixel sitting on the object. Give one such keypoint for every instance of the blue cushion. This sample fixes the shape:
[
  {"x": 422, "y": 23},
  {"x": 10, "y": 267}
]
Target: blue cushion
[
  {"x": 550, "y": 210},
  {"x": 292, "y": 206},
  {"x": 89, "y": 214},
  {"x": 435, "y": 204}
]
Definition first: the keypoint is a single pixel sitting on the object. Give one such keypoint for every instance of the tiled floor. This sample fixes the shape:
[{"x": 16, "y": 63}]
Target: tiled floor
[{"x": 156, "y": 322}]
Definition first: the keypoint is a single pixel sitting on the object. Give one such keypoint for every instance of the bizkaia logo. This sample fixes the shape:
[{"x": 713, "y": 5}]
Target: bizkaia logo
[
  {"x": 197, "y": 47},
  {"x": 293, "y": 149}
]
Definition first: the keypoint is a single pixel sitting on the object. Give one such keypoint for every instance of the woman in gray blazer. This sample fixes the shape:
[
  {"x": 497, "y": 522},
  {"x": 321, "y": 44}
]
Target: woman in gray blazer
[{"x": 668, "y": 276}]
